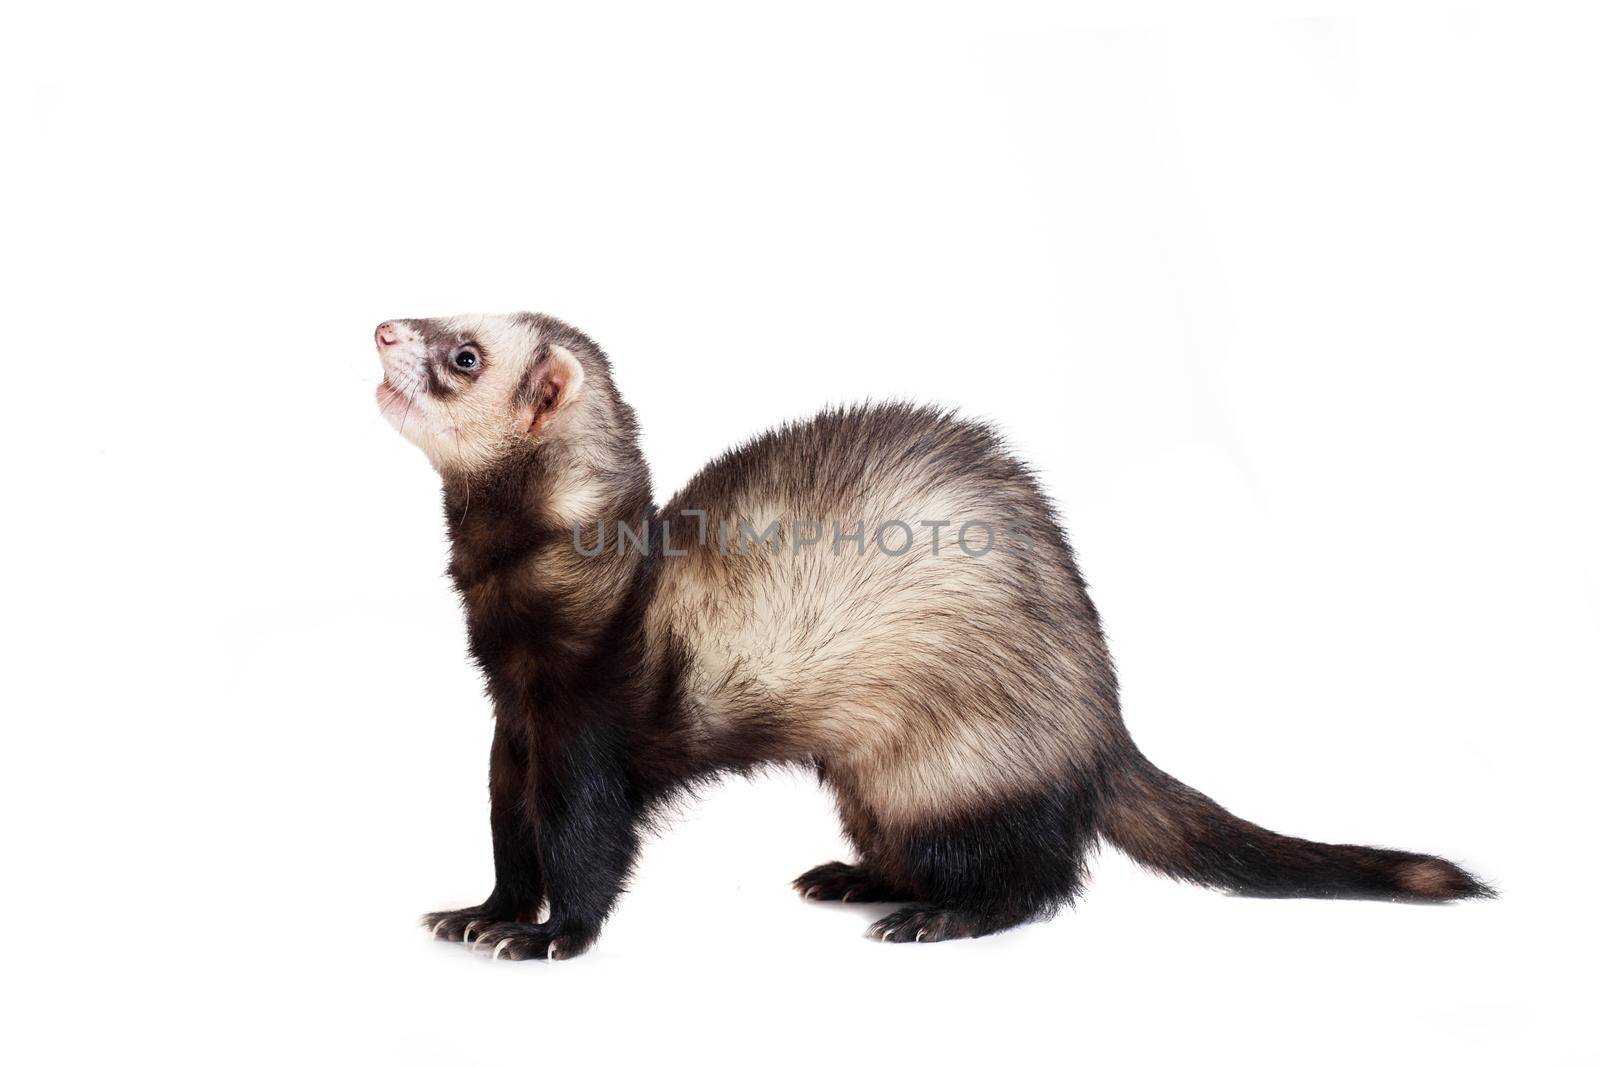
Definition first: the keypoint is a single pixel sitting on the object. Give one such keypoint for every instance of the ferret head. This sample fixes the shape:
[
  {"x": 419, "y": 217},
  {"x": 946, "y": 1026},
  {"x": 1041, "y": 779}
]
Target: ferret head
[{"x": 476, "y": 390}]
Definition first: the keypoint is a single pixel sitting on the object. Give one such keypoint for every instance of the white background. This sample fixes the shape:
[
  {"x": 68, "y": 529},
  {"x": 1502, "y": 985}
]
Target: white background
[{"x": 1293, "y": 308}]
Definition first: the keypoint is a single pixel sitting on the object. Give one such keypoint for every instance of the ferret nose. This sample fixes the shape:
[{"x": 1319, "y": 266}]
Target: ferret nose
[{"x": 387, "y": 335}]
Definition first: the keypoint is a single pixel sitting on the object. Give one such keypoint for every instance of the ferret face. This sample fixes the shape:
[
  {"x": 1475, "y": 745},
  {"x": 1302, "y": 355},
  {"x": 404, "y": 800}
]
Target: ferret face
[{"x": 473, "y": 389}]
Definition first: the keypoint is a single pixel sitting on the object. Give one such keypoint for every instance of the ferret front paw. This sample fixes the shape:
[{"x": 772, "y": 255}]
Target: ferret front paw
[
  {"x": 842, "y": 882},
  {"x": 930, "y": 924},
  {"x": 533, "y": 941},
  {"x": 459, "y": 925}
]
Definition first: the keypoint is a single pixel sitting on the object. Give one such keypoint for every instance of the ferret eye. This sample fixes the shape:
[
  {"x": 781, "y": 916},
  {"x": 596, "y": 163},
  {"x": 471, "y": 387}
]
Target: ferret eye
[{"x": 466, "y": 359}]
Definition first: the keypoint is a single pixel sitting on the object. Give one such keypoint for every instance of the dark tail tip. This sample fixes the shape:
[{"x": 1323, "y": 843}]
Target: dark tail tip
[{"x": 1432, "y": 878}]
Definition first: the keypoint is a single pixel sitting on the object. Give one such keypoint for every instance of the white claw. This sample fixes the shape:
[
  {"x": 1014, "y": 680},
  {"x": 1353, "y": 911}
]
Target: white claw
[
  {"x": 920, "y": 933},
  {"x": 498, "y": 947},
  {"x": 551, "y": 953},
  {"x": 436, "y": 926},
  {"x": 846, "y": 898},
  {"x": 466, "y": 935}
]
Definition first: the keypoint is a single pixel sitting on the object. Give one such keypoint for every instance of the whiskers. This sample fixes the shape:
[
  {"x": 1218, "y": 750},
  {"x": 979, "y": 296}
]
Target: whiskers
[
  {"x": 410, "y": 396},
  {"x": 386, "y": 407},
  {"x": 383, "y": 405}
]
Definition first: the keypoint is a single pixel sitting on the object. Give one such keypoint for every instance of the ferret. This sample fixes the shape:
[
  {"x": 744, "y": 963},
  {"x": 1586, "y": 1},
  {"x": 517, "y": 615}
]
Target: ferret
[{"x": 881, "y": 594}]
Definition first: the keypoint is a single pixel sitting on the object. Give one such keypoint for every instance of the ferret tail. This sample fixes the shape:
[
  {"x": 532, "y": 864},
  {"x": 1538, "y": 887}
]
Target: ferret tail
[{"x": 1164, "y": 825}]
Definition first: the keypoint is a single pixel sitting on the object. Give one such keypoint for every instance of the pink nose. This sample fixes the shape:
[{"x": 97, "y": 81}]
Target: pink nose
[{"x": 387, "y": 335}]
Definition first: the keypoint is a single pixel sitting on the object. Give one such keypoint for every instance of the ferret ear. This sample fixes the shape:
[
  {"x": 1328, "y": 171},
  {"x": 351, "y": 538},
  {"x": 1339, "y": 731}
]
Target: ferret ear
[{"x": 551, "y": 385}]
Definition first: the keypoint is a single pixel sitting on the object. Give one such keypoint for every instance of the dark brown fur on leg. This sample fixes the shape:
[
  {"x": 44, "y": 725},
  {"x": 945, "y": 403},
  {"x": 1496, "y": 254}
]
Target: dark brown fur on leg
[
  {"x": 518, "y": 885},
  {"x": 983, "y": 872}
]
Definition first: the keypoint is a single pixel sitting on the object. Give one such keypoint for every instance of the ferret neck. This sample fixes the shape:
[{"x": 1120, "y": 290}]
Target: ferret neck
[
  {"x": 539, "y": 609},
  {"x": 505, "y": 521}
]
